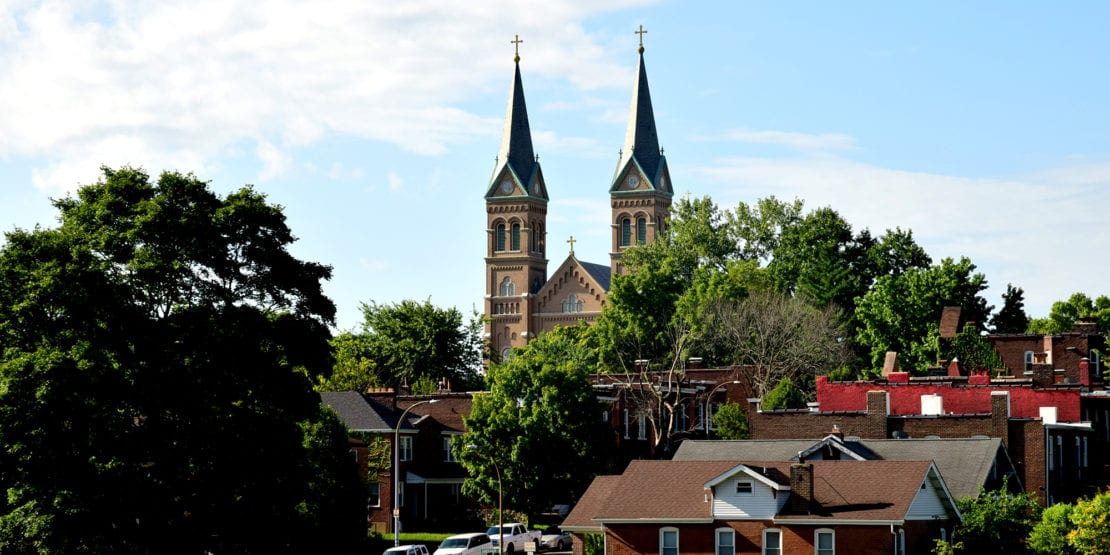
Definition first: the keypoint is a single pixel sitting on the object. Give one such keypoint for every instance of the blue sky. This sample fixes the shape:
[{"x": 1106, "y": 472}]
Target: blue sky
[{"x": 981, "y": 126}]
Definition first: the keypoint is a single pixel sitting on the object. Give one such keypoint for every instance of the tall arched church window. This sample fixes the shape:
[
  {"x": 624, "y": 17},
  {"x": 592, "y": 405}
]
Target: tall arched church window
[
  {"x": 516, "y": 237},
  {"x": 626, "y": 232},
  {"x": 573, "y": 304},
  {"x": 500, "y": 233},
  {"x": 641, "y": 231},
  {"x": 508, "y": 289}
]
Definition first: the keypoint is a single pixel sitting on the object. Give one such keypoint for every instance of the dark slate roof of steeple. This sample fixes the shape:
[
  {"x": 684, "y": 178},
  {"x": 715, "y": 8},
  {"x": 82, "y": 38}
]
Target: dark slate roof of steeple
[
  {"x": 516, "y": 141},
  {"x": 641, "y": 142}
]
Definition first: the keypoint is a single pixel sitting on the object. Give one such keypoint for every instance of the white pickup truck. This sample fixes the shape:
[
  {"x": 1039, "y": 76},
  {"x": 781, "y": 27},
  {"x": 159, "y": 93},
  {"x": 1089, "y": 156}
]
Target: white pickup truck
[{"x": 515, "y": 536}]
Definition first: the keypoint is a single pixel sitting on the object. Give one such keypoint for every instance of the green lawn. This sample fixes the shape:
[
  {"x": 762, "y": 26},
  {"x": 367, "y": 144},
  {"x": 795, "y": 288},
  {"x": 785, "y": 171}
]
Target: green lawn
[{"x": 421, "y": 537}]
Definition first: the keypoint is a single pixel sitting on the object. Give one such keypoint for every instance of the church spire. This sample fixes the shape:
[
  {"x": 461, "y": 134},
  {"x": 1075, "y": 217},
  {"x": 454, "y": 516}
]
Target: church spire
[
  {"x": 641, "y": 143},
  {"x": 516, "y": 141}
]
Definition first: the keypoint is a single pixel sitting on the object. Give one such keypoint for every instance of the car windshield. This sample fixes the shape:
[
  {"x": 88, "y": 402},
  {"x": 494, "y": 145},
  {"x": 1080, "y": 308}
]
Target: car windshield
[
  {"x": 453, "y": 542},
  {"x": 492, "y": 532}
]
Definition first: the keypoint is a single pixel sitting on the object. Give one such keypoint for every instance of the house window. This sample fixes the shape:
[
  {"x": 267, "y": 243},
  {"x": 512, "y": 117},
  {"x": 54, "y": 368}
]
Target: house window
[
  {"x": 743, "y": 487},
  {"x": 709, "y": 416},
  {"x": 772, "y": 541},
  {"x": 447, "y": 455},
  {"x": 1051, "y": 458},
  {"x": 683, "y": 418},
  {"x": 726, "y": 541},
  {"x": 668, "y": 541},
  {"x": 508, "y": 288},
  {"x": 641, "y": 423},
  {"x": 625, "y": 423},
  {"x": 400, "y": 494},
  {"x": 406, "y": 448},
  {"x": 500, "y": 234},
  {"x": 516, "y": 237},
  {"x": 824, "y": 542},
  {"x": 1028, "y": 362},
  {"x": 605, "y": 415},
  {"x": 373, "y": 494},
  {"x": 626, "y": 232},
  {"x": 641, "y": 231},
  {"x": 573, "y": 304}
]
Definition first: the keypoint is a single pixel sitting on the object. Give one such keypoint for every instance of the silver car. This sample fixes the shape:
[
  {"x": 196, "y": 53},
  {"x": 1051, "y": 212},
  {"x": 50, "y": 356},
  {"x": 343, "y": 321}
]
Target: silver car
[{"x": 464, "y": 544}]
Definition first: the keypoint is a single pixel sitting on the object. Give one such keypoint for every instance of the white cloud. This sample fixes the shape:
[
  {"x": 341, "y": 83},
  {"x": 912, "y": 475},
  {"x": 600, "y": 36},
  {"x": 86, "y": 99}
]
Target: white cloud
[
  {"x": 190, "y": 80},
  {"x": 395, "y": 181}
]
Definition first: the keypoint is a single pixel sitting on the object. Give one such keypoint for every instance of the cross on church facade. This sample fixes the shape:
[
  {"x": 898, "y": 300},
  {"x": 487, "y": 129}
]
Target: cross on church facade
[{"x": 571, "y": 242}]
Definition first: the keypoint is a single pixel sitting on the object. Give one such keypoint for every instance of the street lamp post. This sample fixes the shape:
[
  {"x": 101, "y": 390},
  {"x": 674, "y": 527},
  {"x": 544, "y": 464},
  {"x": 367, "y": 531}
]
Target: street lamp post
[
  {"x": 500, "y": 510},
  {"x": 397, "y": 470},
  {"x": 709, "y": 397}
]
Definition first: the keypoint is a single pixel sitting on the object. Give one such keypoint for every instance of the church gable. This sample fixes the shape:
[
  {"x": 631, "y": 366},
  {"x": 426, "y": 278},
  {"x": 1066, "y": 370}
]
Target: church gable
[{"x": 571, "y": 290}]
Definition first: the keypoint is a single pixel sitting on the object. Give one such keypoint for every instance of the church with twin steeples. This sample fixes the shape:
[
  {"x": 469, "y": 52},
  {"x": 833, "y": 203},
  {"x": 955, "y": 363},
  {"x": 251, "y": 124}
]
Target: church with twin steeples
[{"x": 522, "y": 299}]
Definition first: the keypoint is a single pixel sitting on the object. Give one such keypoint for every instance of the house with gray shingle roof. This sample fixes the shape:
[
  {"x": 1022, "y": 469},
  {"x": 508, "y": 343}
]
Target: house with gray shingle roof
[
  {"x": 967, "y": 464},
  {"x": 706, "y": 506}
]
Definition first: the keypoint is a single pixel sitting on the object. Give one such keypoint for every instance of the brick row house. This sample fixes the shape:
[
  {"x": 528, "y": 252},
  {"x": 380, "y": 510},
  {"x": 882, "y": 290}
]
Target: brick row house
[
  {"x": 707, "y": 507},
  {"x": 430, "y": 480}
]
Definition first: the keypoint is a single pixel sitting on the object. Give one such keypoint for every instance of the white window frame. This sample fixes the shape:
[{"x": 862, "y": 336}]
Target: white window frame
[
  {"x": 717, "y": 545},
  {"x": 816, "y": 541},
  {"x": 744, "y": 487},
  {"x": 625, "y": 423},
  {"x": 448, "y": 456},
  {"x": 369, "y": 487},
  {"x": 405, "y": 449},
  {"x": 1028, "y": 359},
  {"x": 771, "y": 551},
  {"x": 641, "y": 425},
  {"x": 663, "y": 549}
]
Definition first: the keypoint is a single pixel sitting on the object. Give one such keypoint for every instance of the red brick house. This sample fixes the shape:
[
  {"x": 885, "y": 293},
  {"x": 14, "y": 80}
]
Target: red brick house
[{"x": 706, "y": 507}]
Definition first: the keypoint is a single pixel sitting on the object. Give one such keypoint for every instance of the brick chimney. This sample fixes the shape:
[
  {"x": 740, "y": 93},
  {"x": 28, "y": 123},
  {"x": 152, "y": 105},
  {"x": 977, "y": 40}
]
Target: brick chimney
[
  {"x": 695, "y": 363},
  {"x": 1084, "y": 371},
  {"x": 878, "y": 408},
  {"x": 836, "y": 432},
  {"x": 1084, "y": 326},
  {"x": 1000, "y": 415},
  {"x": 801, "y": 489}
]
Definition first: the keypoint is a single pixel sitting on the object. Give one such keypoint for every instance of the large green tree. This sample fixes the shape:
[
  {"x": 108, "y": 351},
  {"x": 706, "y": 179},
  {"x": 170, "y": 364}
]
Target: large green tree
[
  {"x": 154, "y": 349},
  {"x": 538, "y": 426},
  {"x": 1065, "y": 314},
  {"x": 405, "y": 343},
  {"x": 996, "y": 522},
  {"x": 902, "y": 312},
  {"x": 1090, "y": 532}
]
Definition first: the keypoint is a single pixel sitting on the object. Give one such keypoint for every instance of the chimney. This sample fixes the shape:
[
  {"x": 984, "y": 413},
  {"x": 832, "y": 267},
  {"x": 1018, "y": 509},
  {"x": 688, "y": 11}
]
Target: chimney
[
  {"x": 1000, "y": 415},
  {"x": 1084, "y": 371},
  {"x": 890, "y": 363},
  {"x": 801, "y": 489},
  {"x": 836, "y": 432},
  {"x": 1083, "y": 326},
  {"x": 695, "y": 363}
]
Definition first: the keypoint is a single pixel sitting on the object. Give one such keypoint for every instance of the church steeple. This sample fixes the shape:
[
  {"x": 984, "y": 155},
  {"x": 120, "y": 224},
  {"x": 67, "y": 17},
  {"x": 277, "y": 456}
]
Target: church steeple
[
  {"x": 516, "y": 153},
  {"x": 516, "y": 229},
  {"x": 641, "y": 191}
]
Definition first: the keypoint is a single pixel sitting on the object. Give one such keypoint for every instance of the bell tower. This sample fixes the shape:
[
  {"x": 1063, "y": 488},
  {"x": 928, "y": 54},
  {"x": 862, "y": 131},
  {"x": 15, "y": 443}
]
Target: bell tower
[
  {"x": 640, "y": 193},
  {"x": 516, "y": 228}
]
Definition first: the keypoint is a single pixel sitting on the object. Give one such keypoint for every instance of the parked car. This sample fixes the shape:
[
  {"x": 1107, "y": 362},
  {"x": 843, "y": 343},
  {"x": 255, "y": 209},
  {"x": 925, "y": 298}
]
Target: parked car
[
  {"x": 464, "y": 544},
  {"x": 516, "y": 535},
  {"x": 414, "y": 549},
  {"x": 554, "y": 539}
]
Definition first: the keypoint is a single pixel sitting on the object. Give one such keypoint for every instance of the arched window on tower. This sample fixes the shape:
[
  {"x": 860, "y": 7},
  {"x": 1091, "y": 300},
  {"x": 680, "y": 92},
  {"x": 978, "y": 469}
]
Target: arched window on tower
[
  {"x": 626, "y": 232},
  {"x": 516, "y": 237},
  {"x": 641, "y": 231},
  {"x": 500, "y": 234},
  {"x": 508, "y": 289}
]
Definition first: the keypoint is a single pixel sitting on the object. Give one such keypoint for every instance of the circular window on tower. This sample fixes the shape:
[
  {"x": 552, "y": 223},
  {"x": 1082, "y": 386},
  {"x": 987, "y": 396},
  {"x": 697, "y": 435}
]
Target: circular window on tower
[
  {"x": 506, "y": 186},
  {"x": 632, "y": 181}
]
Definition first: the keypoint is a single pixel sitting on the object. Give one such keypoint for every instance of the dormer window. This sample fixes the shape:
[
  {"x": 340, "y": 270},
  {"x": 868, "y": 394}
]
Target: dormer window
[{"x": 744, "y": 488}]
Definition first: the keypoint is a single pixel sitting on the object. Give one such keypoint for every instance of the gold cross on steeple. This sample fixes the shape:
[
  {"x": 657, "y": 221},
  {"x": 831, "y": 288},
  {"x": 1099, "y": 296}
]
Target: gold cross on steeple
[
  {"x": 571, "y": 242},
  {"x": 641, "y": 33},
  {"x": 516, "y": 47}
]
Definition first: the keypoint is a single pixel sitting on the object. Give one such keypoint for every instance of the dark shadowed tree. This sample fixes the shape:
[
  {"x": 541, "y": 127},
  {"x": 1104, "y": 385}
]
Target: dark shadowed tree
[
  {"x": 153, "y": 380},
  {"x": 1011, "y": 318}
]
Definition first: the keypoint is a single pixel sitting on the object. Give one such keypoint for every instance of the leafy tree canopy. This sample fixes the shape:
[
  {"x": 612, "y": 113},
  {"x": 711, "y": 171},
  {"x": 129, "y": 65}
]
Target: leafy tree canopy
[
  {"x": 902, "y": 312},
  {"x": 730, "y": 422},
  {"x": 1065, "y": 314},
  {"x": 1090, "y": 534},
  {"x": 153, "y": 390},
  {"x": 1050, "y": 535},
  {"x": 785, "y": 395},
  {"x": 996, "y": 522},
  {"x": 538, "y": 425},
  {"x": 972, "y": 350},
  {"x": 407, "y": 342}
]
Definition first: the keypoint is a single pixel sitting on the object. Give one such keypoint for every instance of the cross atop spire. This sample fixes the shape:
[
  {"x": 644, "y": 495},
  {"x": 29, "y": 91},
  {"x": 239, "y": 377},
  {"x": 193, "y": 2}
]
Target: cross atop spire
[
  {"x": 641, "y": 32},
  {"x": 571, "y": 242},
  {"x": 516, "y": 48}
]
